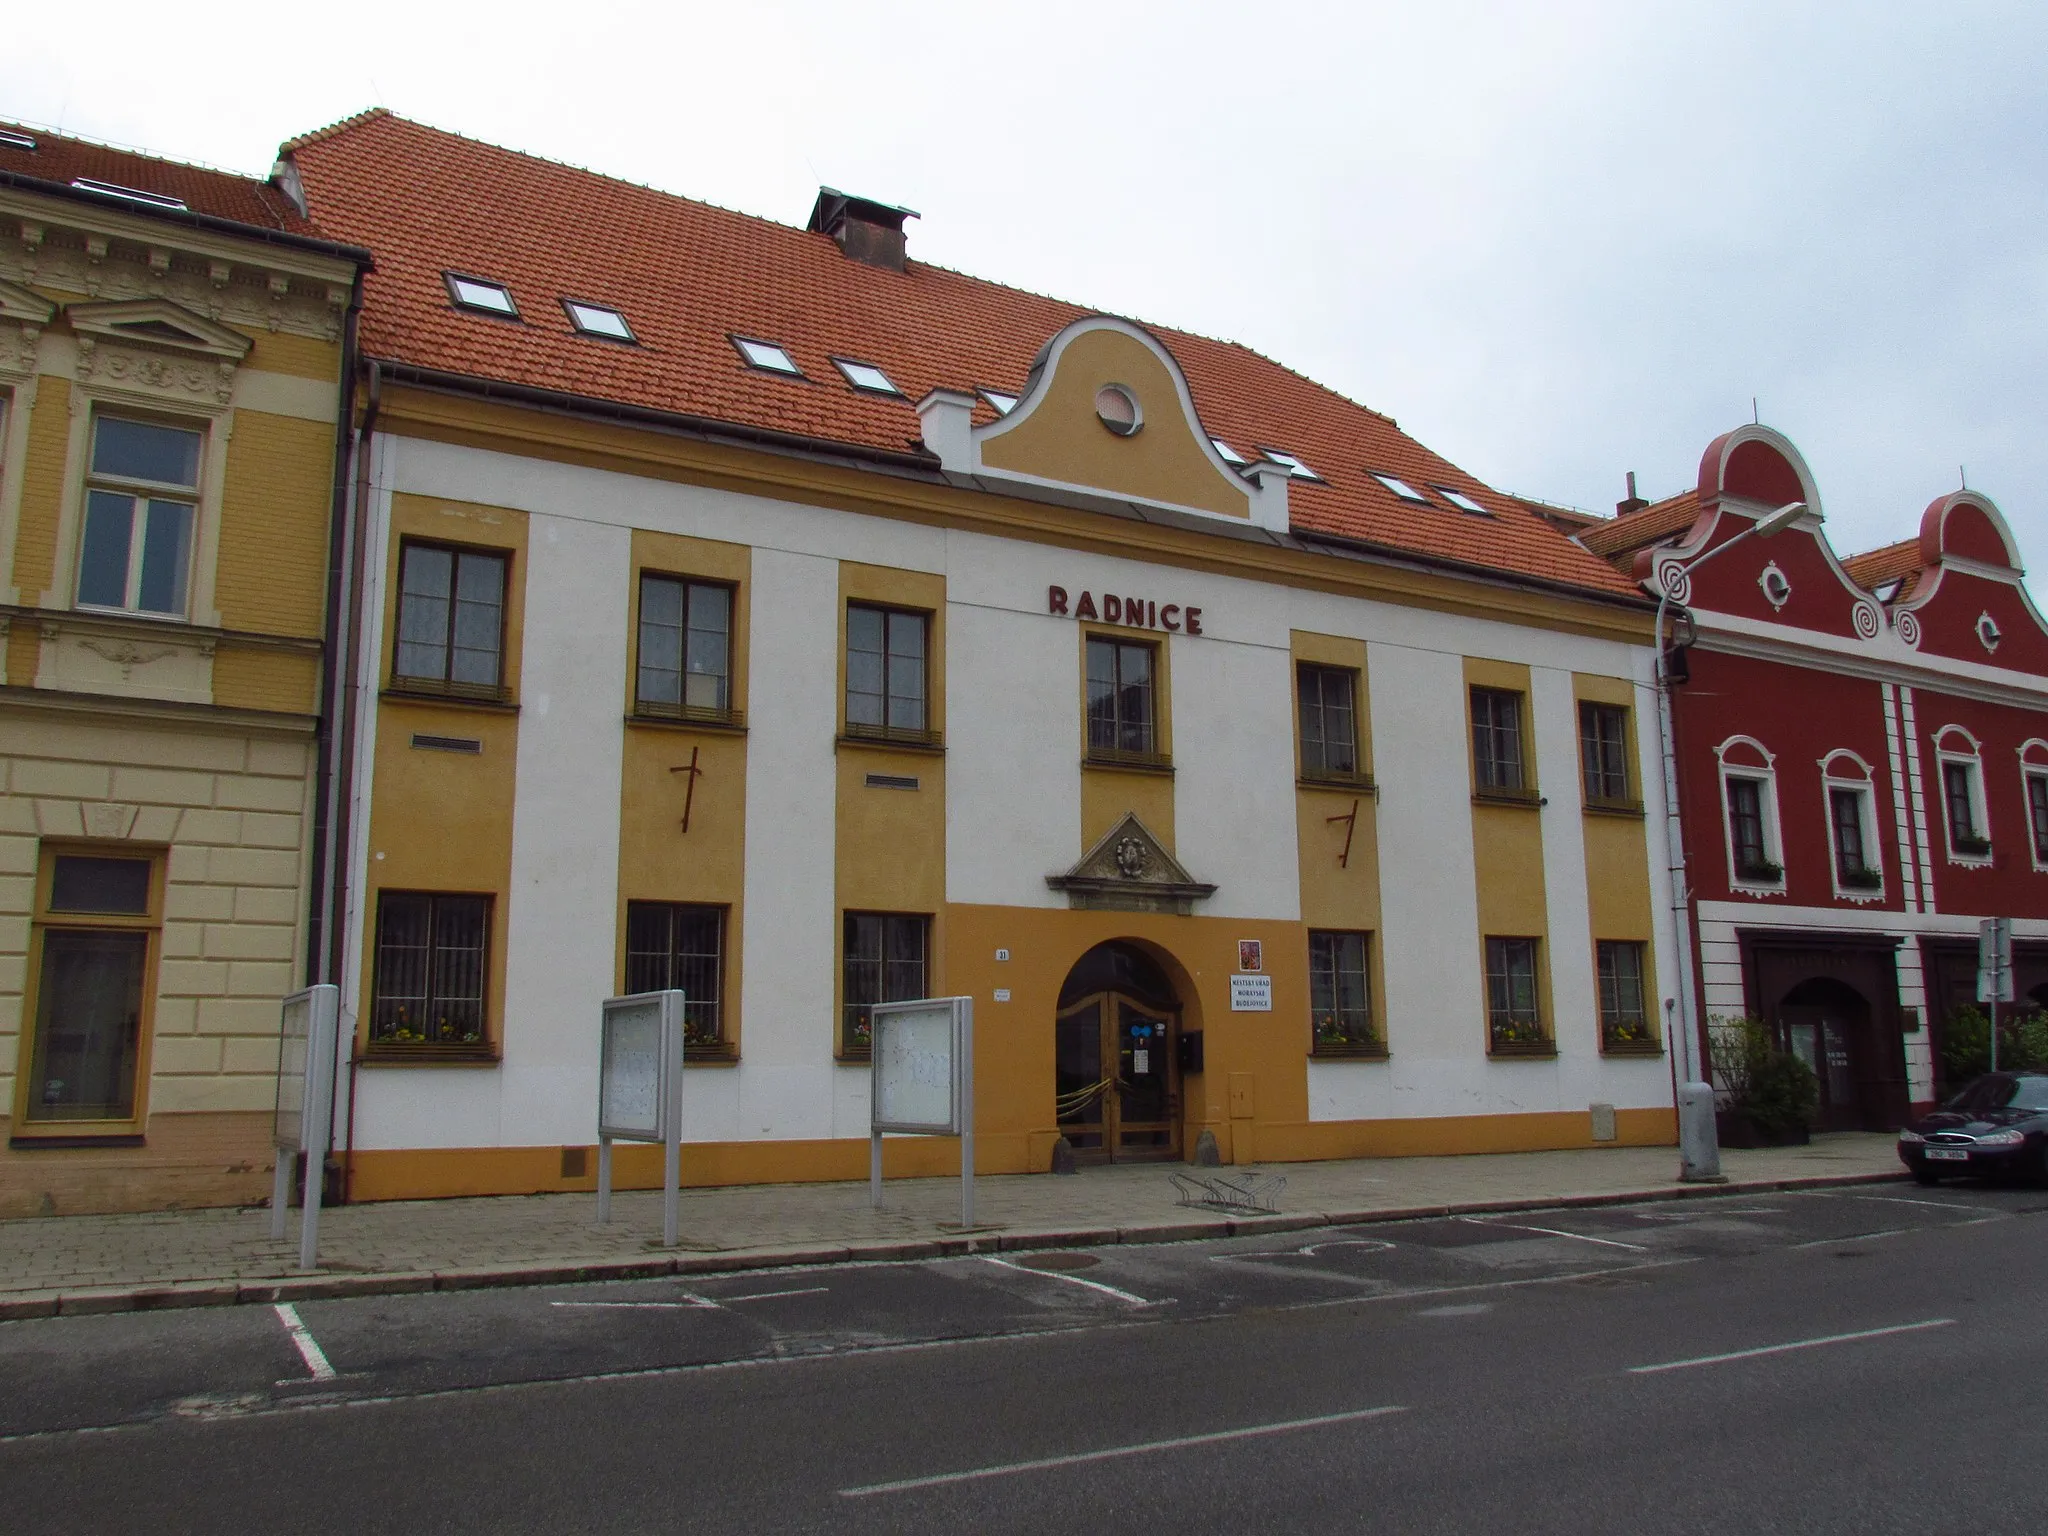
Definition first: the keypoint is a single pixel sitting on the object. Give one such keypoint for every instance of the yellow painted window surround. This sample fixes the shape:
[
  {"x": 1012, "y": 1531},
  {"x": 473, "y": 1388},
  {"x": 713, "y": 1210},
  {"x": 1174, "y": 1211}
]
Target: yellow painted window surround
[
  {"x": 888, "y": 675},
  {"x": 94, "y": 948},
  {"x": 448, "y": 637}
]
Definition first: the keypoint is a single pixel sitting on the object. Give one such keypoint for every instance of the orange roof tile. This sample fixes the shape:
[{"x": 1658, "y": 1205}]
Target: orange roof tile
[
  {"x": 59, "y": 160},
  {"x": 1632, "y": 531},
  {"x": 1894, "y": 562},
  {"x": 688, "y": 276}
]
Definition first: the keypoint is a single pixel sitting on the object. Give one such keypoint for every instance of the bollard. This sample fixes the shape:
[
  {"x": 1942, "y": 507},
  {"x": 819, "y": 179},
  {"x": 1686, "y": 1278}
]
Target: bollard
[{"x": 1699, "y": 1145}]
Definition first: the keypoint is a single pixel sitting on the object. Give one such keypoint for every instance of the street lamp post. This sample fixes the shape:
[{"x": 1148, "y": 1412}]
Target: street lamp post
[{"x": 1699, "y": 1146}]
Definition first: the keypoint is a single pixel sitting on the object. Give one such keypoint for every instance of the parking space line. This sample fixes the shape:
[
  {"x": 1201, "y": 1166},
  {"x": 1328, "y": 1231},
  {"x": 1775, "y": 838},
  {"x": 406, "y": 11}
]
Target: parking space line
[
  {"x": 302, "y": 1339},
  {"x": 1855, "y": 1237},
  {"x": 1144, "y": 1448},
  {"x": 809, "y": 1290},
  {"x": 1054, "y": 1274},
  {"x": 691, "y": 1302},
  {"x": 1514, "y": 1226},
  {"x": 1780, "y": 1349},
  {"x": 1932, "y": 1205}
]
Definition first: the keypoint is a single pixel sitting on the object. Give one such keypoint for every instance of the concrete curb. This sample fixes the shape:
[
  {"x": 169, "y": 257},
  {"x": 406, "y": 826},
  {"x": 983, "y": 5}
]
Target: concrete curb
[{"x": 322, "y": 1286}]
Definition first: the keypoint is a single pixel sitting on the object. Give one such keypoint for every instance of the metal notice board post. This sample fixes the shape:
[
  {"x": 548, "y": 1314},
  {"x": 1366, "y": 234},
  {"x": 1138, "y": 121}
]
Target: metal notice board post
[
  {"x": 1994, "y": 971},
  {"x": 305, "y": 1108},
  {"x": 640, "y": 1094},
  {"x": 922, "y": 1082}
]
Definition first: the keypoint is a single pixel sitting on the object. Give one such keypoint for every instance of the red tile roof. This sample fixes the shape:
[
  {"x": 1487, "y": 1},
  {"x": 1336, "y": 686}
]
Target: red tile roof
[
  {"x": 688, "y": 276},
  {"x": 1616, "y": 537},
  {"x": 1900, "y": 562},
  {"x": 216, "y": 194}
]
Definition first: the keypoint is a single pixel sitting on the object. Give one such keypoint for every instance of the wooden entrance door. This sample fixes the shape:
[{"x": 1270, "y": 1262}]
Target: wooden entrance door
[
  {"x": 1827, "y": 1025},
  {"x": 1117, "y": 1087}
]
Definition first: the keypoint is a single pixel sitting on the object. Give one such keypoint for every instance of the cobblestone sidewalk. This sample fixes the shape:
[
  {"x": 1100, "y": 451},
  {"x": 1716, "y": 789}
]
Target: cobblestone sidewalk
[{"x": 75, "y": 1264}]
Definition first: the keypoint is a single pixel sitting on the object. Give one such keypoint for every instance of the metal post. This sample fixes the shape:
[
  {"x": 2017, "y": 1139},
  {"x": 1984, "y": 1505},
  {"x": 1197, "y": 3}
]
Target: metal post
[
  {"x": 318, "y": 1117},
  {"x": 965, "y": 1054},
  {"x": 875, "y": 1169},
  {"x": 280, "y": 1192},
  {"x": 604, "y": 1180},
  {"x": 672, "y": 1149}
]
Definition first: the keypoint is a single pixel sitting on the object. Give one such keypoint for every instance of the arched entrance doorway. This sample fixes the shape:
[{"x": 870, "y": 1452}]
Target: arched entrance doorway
[
  {"x": 1116, "y": 1081},
  {"x": 1827, "y": 1025}
]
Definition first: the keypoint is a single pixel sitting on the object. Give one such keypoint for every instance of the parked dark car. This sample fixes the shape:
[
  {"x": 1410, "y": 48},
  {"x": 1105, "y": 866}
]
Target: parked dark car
[{"x": 1999, "y": 1124}]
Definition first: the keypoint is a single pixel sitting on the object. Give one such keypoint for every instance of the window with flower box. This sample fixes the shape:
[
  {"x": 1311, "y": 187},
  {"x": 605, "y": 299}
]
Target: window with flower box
[
  {"x": 1514, "y": 1010},
  {"x": 2037, "y": 816},
  {"x": 681, "y": 946},
  {"x": 884, "y": 961},
  {"x": 432, "y": 975},
  {"x": 1340, "y": 995},
  {"x": 1625, "y": 1025}
]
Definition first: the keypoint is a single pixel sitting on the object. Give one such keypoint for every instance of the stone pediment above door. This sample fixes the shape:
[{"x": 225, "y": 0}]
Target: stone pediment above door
[{"x": 1129, "y": 870}]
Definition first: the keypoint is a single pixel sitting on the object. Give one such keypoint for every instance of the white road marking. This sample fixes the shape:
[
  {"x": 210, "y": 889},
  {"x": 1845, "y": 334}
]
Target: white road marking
[
  {"x": 1468, "y": 1309},
  {"x": 690, "y": 1302},
  {"x": 1932, "y": 1205},
  {"x": 809, "y": 1290},
  {"x": 1513, "y": 1226},
  {"x": 1056, "y": 1274},
  {"x": 1145, "y": 1448},
  {"x": 1780, "y": 1349},
  {"x": 1377, "y": 1244},
  {"x": 308, "y": 1347},
  {"x": 1855, "y": 1237}
]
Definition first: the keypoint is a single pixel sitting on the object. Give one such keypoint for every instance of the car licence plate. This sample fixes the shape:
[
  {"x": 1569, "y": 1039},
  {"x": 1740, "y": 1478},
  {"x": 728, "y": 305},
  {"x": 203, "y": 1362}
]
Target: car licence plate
[{"x": 1947, "y": 1154}]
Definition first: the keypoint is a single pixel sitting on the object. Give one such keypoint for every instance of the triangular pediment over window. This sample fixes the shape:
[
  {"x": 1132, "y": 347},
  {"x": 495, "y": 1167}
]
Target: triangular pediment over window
[
  {"x": 1129, "y": 870},
  {"x": 159, "y": 323},
  {"x": 24, "y": 304}
]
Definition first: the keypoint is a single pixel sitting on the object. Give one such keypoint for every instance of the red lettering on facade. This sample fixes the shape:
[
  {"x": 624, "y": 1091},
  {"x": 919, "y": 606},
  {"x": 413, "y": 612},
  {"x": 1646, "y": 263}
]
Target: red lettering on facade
[
  {"x": 1056, "y": 600},
  {"x": 1166, "y": 616},
  {"x": 1085, "y": 608},
  {"x": 1112, "y": 608},
  {"x": 1194, "y": 621},
  {"x": 1151, "y": 615},
  {"x": 1134, "y": 611}
]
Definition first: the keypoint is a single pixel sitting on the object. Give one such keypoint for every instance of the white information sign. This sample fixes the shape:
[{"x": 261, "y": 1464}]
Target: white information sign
[
  {"x": 629, "y": 1097},
  {"x": 1994, "y": 960},
  {"x": 922, "y": 1082},
  {"x": 916, "y": 1086},
  {"x": 640, "y": 1093},
  {"x": 308, "y": 1023},
  {"x": 1251, "y": 994}
]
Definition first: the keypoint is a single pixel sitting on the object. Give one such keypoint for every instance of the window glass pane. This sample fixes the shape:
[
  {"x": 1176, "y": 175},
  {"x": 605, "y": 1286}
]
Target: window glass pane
[
  {"x": 906, "y": 692},
  {"x": 479, "y": 618},
  {"x": 88, "y": 1026},
  {"x": 430, "y": 978},
  {"x": 82, "y": 884},
  {"x": 140, "y": 450},
  {"x": 906, "y": 634},
  {"x": 426, "y": 577},
  {"x": 661, "y": 641},
  {"x": 709, "y": 647},
  {"x": 103, "y": 552},
  {"x": 398, "y": 1011},
  {"x": 648, "y": 949},
  {"x": 166, "y": 557},
  {"x": 903, "y": 959}
]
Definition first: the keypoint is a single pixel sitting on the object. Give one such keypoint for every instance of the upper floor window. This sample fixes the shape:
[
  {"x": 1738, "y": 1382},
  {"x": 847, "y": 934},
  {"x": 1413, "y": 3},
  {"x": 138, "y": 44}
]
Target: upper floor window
[
  {"x": 885, "y": 670},
  {"x": 679, "y": 945},
  {"x": 141, "y": 500},
  {"x": 1962, "y": 795},
  {"x": 451, "y": 616},
  {"x": 1497, "y": 741},
  {"x": 1603, "y": 753},
  {"x": 1329, "y": 721},
  {"x": 2037, "y": 813},
  {"x": 1852, "y": 825},
  {"x": 1748, "y": 832},
  {"x": 685, "y": 660},
  {"x": 1122, "y": 699}
]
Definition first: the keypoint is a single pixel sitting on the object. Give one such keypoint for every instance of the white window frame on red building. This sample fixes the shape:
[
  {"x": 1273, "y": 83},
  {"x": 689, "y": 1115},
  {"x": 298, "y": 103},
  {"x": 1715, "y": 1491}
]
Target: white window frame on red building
[
  {"x": 1947, "y": 754},
  {"x": 1845, "y": 770},
  {"x": 1765, "y": 776}
]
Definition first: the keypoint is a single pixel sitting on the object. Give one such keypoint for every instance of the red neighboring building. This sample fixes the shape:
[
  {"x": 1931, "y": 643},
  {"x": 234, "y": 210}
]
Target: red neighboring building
[{"x": 1862, "y": 751}]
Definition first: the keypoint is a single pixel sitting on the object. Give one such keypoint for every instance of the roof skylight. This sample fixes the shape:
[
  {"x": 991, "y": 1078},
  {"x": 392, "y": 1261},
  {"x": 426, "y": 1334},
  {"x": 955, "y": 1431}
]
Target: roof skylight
[
  {"x": 1230, "y": 454},
  {"x": 1294, "y": 467},
  {"x": 481, "y": 294},
  {"x": 598, "y": 320},
  {"x": 1401, "y": 488},
  {"x": 130, "y": 194},
  {"x": 999, "y": 402},
  {"x": 866, "y": 376},
  {"x": 768, "y": 356},
  {"x": 1461, "y": 501},
  {"x": 15, "y": 140}
]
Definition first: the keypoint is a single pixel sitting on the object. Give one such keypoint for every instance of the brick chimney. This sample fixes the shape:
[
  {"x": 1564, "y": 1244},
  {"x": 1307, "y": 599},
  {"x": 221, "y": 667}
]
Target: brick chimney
[
  {"x": 1631, "y": 502},
  {"x": 867, "y": 231}
]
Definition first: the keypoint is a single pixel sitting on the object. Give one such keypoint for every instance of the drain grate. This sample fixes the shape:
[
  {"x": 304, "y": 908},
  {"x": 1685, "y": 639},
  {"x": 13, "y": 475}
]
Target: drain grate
[{"x": 1057, "y": 1261}]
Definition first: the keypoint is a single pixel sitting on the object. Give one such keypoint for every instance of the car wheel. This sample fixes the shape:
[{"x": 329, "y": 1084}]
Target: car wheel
[{"x": 1926, "y": 1178}]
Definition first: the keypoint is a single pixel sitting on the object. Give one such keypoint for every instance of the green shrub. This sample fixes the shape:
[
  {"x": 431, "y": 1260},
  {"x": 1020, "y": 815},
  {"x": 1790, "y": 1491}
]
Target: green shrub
[
  {"x": 1772, "y": 1087},
  {"x": 1966, "y": 1042}
]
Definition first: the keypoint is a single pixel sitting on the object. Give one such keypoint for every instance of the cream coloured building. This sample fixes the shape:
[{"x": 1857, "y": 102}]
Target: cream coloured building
[{"x": 171, "y": 367}]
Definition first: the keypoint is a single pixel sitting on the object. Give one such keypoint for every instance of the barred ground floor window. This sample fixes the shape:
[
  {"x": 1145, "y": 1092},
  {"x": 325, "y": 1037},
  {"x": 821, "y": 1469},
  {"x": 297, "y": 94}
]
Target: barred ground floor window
[
  {"x": 681, "y": 945},
  {"x": 885, "y": 962},
  {"x": 1340, "y": 994},
  {"x": 1514, "y": 1012},
  {"x": 432, "y": 974}
]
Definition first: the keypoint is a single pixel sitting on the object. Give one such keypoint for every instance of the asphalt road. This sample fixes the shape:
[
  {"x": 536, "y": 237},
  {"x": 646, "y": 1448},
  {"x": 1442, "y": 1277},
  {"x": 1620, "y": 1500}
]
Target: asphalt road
[{"x": 1862, "y": 1360}]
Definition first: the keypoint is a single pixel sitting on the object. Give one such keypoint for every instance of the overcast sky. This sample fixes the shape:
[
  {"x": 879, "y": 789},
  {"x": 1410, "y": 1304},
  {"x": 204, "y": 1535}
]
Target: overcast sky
[{"x": 1557, "y": 241}]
